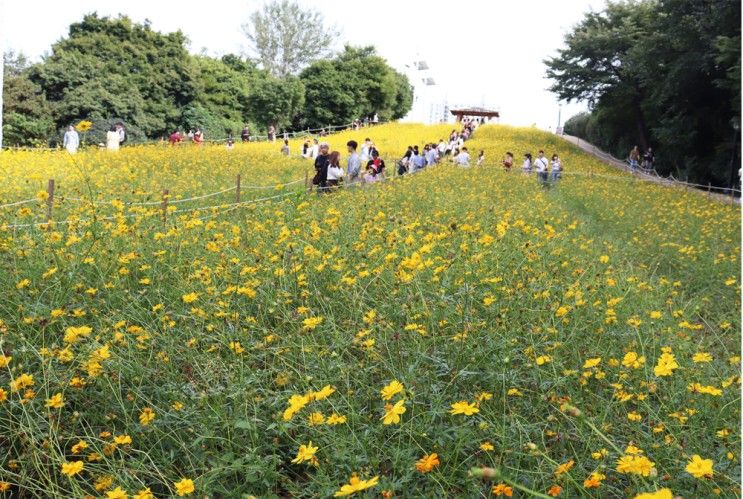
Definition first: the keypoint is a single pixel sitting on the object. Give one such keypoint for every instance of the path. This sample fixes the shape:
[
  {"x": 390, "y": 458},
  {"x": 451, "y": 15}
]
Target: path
[{"x": 649, "y": 177}]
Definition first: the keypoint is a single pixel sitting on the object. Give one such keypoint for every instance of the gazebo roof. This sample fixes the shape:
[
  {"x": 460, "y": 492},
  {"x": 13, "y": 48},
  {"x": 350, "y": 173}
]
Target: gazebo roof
[{"x": 475, "y": 111}]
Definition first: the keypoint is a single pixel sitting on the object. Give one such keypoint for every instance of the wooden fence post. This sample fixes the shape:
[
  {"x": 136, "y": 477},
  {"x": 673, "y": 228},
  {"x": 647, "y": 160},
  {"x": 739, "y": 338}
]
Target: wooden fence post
[
  {"x": 237, "y": 189},
  {"x": 709, "y": 189},
  {"x": 49, "y": 202},
  {"x": 732, "y": 195},
  {"x": 164, "y": 204}
]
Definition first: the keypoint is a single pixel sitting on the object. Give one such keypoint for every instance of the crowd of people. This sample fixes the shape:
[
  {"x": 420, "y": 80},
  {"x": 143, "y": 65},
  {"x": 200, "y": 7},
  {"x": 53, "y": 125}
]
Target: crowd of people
[
  {"x": 195, "y": 136},
  {"x": 329, "y": 173}
]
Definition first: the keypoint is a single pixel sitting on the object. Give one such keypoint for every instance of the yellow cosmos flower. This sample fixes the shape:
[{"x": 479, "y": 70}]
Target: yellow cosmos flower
[
  {"x": 463, "y": 407},
  {"x": 393, "y": 412}
]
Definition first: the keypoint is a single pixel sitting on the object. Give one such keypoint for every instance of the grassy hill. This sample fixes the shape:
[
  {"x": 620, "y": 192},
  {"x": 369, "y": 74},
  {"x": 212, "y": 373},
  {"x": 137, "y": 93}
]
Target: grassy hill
[{"x": 583, "y": 339}]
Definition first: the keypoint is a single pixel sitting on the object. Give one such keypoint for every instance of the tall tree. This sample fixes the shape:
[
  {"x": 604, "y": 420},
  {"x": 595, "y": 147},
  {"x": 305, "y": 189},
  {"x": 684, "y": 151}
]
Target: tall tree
[
  {"x": 664, "y": 73},
  {"x": 354, "y": 84},
  {"x": 274, "y": 101},
  {"x": 26, "y": 113},
  {"x": 114, "y": 68},
  {"x": 287, "y": 38},
  {"x": 598, "y": 61}
]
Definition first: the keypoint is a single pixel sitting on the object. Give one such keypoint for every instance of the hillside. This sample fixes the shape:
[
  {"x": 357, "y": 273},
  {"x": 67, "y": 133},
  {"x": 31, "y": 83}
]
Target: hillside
[{"x": 582, "y": 339}]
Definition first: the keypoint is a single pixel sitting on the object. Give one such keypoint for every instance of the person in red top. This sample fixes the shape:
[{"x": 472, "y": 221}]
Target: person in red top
[
  {"x": 198, "y": 137},
  {"x": 175, "y": 138}
]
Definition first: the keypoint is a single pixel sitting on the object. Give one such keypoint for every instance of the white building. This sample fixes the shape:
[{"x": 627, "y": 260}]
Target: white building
[{"x": 429, "y": 101}]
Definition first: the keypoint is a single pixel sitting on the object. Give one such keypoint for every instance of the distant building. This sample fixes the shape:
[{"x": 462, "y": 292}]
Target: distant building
[{"x": 429, "y": 102}]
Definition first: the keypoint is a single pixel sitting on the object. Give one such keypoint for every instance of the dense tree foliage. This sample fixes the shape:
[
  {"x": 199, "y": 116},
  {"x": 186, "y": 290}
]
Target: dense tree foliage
[
  {"x": 662, "y": 74},
  {"x": 355, "y": 83},
  {"x": 111, "y": 70}
]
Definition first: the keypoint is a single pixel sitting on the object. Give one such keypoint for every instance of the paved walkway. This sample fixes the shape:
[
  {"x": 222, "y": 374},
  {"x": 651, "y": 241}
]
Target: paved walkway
[{"x": 649, "y": 177}]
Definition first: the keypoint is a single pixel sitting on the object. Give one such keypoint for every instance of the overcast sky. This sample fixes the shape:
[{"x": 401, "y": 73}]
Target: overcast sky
[{"x": 481, "y": 52}]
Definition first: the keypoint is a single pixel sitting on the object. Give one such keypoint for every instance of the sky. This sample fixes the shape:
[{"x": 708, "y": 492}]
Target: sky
[{"x": 480, "y": 52}]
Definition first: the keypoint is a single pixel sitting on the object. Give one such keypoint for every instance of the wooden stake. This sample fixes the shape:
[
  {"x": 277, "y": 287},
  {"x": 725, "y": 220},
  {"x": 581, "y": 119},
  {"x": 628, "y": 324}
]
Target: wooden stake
[
  {"x": 49, "y": 202},
  {"x": 164, "y": 205},
  {"x": 237, "y": 189},
  {"x": 709, "y": 189}
]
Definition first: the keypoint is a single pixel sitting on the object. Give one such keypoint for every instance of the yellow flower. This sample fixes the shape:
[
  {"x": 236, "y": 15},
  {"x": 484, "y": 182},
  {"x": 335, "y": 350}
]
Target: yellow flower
[
  {"x": 316, "y": 418},
  {"x": 638, "y": 465},
  {"x": 5, "y": 360},
  {"x": 427, "y": 462},
  {"x": 117, "y": 493},
  {"x": 594, "y": 480},
  {"x": 564, "y": 468},
  {"x": 659, "y": 494},
  {"x": 543, "y": 359},
  {"x": 502, "y": 489},
  {"x": 701, "y": 357},
  {"x": 335, "y": 419},
  {"x": 311, "y": 323},
  {"x": 699, "y": 388},
  {"x": 632, "y": 360},
  {"x": 393, "y": 412},
  {"x": 699, "y": 468},
  {"x": 391, "y": 390},
  {"x": 72, "y": 468},
  {"x": 146, "y": 416},
  {"x": 55, "y": 402},
  {"x": 655, "y": 314},
  {"x": 184, "y": 487},
  {"x": 666, "y": 365},
  {"x": 123, "y": 439},
  {"x": 190, "y": 298},
  {"x": 356, "y": 485},
  {"x": 80, "y": 446},
  {"x": 83, "y": 126},
  {"x": 486, "y": 446},
  {"x": 325, "y": 392},
  {"x": 463, "y": 407},
  {"x": 305, "y": 453},
  {"x": 554, "y": 491},
  {"x": 515, "y": 392},
  {"x": 592, "y": 363},
  {"x": 144, "y": 494},
  {"x": 21, "y": 382}
]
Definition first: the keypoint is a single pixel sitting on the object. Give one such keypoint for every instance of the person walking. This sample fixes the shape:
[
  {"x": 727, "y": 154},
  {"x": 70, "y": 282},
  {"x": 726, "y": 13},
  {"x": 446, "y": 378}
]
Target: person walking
[
  {"x": 481, "y": 158},
  {"x": 112, "y": 139},
  {"x": 321, "y": 168},
  {"x": 634, "y": 158},
  {"x": 272, "y": 133},
  {"x": 71, "y": 140},
  {"x": 417, "y": 161},
  {"x": 540, "y": 165},
  {"x": 335, "y": 172},
  {"x": 285, "y": 148},
  {"x": 648, "y": 159},
  {"x": 353, "y": 164},
  {"x": 526, "y": 166},
  {"x": 245, "y": 134},
  {"x": 463, "y": 158},
  {"x": 556, "y": 168},
  {"x": 198, "y": 137},
  {"x": 508, "y": 162},
  {"x": 122, "y": 133},
  {"x": 175, "y": 138},
  {"x": 366, "y": 150}
]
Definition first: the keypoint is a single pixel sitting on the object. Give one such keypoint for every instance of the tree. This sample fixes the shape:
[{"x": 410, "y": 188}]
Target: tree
[
  {"x": 27, "y": 116},
  {"x": 116, "y": 68},
  {"x": 354, "y": 84},
  {"x": 287, "y": 38},
  {"x": 664, "y": 73},
  {"x": 274, "y": 101}
]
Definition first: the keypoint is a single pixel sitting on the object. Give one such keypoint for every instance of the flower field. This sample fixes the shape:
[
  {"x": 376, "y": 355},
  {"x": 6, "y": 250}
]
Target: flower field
[{"x": 578, "y": 341}]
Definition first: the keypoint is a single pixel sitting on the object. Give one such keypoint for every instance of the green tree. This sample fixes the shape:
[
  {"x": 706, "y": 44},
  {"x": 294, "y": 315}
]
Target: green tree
[
  {"x": 274, "y": 101},
  {"x": 287, "y": 38},
  {"x": 27, "y": 118},
  {"x": 116, "y": 68},
  {"x": 664, "y": 73},
  {"x": 354, "y": 84}
]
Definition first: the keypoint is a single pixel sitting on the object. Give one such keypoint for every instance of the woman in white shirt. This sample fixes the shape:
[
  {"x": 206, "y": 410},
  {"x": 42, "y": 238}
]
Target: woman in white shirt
[
  {"x": 335, "y": 172},
  {"x": 112, "y": 139},
  {"x": 556, "y": 167},
  {"x": 526, "y": 167}
]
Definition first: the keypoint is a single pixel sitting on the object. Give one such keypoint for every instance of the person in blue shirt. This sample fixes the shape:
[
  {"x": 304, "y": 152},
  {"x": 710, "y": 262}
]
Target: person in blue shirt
[{"x": 353, "y": 167}]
